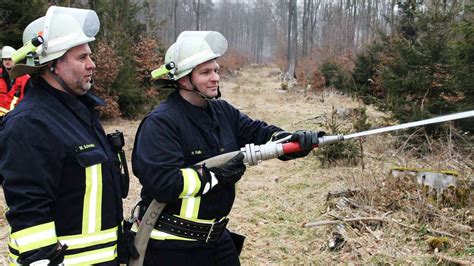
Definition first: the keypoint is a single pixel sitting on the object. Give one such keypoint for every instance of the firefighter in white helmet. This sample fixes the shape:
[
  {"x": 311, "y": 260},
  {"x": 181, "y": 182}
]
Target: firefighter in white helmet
[
  {"x": 189, "y": 127},
  {"x": 12, "y": 91},
  {"x": 65, "y": 206}
]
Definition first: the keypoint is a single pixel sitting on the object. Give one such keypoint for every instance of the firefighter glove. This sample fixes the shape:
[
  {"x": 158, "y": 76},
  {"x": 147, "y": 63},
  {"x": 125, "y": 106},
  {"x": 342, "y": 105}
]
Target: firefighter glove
[
  {"x": 126, "y": 246},
  {"x": 230, "y": 172},
  {"x": 55, "y": 256},
  {"x": 306, "y": 140}
]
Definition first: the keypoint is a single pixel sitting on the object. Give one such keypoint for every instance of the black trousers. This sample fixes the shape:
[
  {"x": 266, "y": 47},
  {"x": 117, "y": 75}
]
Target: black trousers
[{"x": 186, "y": 253}]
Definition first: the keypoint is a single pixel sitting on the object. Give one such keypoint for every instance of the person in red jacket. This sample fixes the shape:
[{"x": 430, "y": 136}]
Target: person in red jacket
[{"x": 12, "y": 91}]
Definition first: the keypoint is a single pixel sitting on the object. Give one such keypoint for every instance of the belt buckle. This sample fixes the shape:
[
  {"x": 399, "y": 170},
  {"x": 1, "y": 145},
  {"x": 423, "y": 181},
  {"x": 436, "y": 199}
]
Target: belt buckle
[
  {"x": 210, "y": 231},
  {"x": 224, "y": 221}
]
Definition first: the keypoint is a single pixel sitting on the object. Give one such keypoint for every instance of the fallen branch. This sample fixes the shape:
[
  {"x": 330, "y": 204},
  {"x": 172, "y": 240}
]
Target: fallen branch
[
  {"x": 380, "y": 219},
  {"x": 305, "y": 120},
  {"x": 427, "y": 229},
  {"x": 451, "y": 260},
  {"x": 357, "y": 219},
  {"x": 460, "y": 227},
  {"x": 341, "y": 193},
  {"x": 432, "y": 231}
]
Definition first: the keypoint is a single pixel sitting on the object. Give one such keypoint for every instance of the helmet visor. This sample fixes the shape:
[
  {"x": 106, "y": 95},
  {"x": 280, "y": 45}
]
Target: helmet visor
[{"x": 87, "y": 19}]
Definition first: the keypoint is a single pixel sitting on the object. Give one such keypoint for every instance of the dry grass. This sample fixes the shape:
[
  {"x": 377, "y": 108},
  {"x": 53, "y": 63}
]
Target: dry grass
[{"x": 275, "y": 199}]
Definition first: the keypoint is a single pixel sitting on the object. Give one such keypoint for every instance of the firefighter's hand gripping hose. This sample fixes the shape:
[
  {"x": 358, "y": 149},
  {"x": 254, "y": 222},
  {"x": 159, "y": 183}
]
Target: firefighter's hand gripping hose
[
  {"x": 230, "y": 172},
  {"x": 307, "y": 140}
]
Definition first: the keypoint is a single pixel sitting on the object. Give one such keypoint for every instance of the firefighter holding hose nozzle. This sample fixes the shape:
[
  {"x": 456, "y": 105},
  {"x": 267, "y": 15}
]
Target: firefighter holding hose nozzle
[{"x": 192, "y": 125}]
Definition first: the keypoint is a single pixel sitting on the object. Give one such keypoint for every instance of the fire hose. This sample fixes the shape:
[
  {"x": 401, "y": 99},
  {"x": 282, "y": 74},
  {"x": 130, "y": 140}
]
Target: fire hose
[{"x": 253, "y": 154}]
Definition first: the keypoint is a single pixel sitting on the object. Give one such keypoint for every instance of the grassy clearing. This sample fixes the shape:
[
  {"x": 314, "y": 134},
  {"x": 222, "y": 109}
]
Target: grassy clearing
[{"x": 276, "y": 198}]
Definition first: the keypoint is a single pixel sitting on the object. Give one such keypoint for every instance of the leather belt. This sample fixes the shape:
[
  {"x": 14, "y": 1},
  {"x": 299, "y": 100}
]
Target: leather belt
[{"x": 189, "y": 229}]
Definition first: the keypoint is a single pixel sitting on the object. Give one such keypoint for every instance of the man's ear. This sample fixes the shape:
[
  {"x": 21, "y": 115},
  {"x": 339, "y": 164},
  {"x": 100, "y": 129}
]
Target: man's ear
[
  {"x": 183, "y": 82},
  {"x": 52, "y": 67}
]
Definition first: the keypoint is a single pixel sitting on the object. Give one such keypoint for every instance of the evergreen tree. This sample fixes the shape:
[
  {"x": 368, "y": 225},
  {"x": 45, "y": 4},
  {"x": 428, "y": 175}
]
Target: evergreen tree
[
  {"x": 407, "y": 11},
  {"x": 365, "y": 71},
  {"x": 462, "y": 62},
  {"x": 121, "y": 31},
  {"x": 418, "y": 72}
]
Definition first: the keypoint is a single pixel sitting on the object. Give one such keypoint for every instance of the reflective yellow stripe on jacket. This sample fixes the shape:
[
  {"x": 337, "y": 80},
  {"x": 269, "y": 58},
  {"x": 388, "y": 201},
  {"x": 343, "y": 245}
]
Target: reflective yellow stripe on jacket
[
  {"x": 13, "y": 103},
  {"x": 90, "y": 239},
  {"x": 190, "y": 204},
  {"x": 44, "y": 235},
  {"x": 3, "y": 111},
  {"x": 92, "y": 211},
  {"x": 34, "y": 237},
  {"x": 82, "y": 241},
  {"x": 92, "y": 257}
]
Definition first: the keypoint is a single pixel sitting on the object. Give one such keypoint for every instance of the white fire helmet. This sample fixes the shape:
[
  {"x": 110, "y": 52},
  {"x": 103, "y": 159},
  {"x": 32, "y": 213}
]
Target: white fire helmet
[
  {"x": 7, "y": 52},
  {"x": 193, "y": 48},
  {"x": 61, "y": 29}
]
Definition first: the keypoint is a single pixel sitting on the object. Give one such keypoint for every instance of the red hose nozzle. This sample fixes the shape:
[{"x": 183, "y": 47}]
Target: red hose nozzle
[{"x": 292, "y": 147}]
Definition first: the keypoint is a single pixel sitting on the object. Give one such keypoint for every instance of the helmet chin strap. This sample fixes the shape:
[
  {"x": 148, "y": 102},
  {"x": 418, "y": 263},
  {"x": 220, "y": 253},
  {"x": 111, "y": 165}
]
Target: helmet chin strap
[
  {"x": 60, "y": 80},
  {"x": 202, "y": 95}
]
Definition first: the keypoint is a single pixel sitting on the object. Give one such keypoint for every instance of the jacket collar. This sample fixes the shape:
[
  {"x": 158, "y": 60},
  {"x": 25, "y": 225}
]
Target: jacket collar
[
  {"x": 82, "y": 106},
  {"x": 204, "y": 118}
]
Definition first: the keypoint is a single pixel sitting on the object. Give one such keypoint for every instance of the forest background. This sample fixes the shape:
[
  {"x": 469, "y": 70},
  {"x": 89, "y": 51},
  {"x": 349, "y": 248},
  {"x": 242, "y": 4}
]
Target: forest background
[{"x": 413, "y": 58}]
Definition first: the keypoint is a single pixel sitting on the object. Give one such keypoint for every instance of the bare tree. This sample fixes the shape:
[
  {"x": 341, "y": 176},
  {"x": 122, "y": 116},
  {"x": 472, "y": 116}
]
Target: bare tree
[
  {"x": 292, "y": 39},
  {"x": 305, "y": 24},
  {"x": 196, "y": 6},
  {"x": 175, "y": 20},
  {"x": 314, "y": 7},
  {"x": 264, "y": 27}
]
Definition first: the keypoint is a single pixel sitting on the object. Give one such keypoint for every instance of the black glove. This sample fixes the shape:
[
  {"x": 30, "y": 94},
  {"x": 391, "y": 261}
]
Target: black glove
[
  {"x": 55, "y": 255},
  {"x": 306, "y": 140},
  {"x": 126, "y": 245},
  {"x": 226, "y": 174},
  {"x": 231, "y": 171}
]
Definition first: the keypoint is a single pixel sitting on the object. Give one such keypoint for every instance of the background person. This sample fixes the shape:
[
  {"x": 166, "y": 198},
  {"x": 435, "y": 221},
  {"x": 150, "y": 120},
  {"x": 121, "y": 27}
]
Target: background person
[{"x": 12, "y": 91}]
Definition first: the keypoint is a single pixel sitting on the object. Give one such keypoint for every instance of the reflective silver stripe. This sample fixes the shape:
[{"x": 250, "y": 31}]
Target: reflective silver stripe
[
  {"x": 191, "y": 183},
  {"x": 190, "y": 207},
  {"x": 14, "y": 101},
  {"x": 4, "y": 110},
  {"x": 37, "y": 237},
  {"x": 12, "y": 258},
  {"x": 190, "y": 204},
  {"x": 34, "y": 237},
  {"x": 158, "y": 235},
  {"x": 92, "y": 257},
  {"x": 81, "y": 241}
]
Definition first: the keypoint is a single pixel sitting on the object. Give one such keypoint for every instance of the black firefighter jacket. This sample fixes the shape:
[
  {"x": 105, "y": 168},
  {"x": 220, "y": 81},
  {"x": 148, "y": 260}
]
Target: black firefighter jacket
[
  {"x": 177, "y": 135},
  {"x": 61, "y": 179}
]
